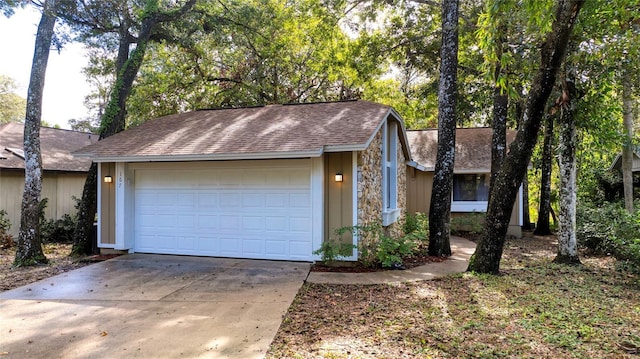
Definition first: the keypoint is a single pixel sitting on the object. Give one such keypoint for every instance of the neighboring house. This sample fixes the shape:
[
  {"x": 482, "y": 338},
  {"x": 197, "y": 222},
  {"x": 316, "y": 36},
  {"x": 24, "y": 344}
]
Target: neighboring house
[
  {"x": 614, "y": 189},
  {"x": 617, "y": 163},
  {"x": 268, "y": 182},
  {"x": 472, "y": 171},
  {"x": 63, "y": 175}
]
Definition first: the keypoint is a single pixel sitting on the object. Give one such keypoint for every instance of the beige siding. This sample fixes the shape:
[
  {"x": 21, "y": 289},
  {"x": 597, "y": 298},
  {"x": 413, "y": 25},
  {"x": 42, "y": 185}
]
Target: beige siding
[
  {"x": 107, "y": 210},
  {"x": 515, "y": 229},
  {"x": 11, "y": 187},
  {"x": 58, "y": 188},
  {"x": 338, "y": 195},
  {"x": 418, "y": 190},
  {"x": 419, "y": 185}
]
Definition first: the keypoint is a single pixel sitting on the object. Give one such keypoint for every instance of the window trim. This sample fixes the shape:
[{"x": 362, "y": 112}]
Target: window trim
[
  {"x": 390, "y": 210},
  {"x": 469, "y": 206}
]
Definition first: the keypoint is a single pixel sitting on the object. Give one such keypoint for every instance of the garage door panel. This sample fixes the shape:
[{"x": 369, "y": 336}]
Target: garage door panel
[
  {"x": 208, "y": 222},
  {"x": 207, "y": 245},
  {"x": 276, "y": 200},
  {"x": 300, "y": 225},
  {"x": 230, "y": 246},
  {"x": 253, "y": 199},
  {"x": 233, "y": 212},
  {"x": 275, "y": 247},
  {"x": 230, "y": 200},
  {"x": 185, "y": 222},
  {"x": 276, "y": 224},
  {"x": 207, "y": 199},
  {"x": 252, "y": 224},
  {"x": 299, "y": 200}
]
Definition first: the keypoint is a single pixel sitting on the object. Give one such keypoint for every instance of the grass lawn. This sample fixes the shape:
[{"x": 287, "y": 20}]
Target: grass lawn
[{"x": 535, "y": 309}]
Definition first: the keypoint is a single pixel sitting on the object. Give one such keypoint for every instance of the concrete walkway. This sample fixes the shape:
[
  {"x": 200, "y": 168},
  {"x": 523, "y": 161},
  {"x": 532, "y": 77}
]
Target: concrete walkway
[{"x": 461, "y": 249}]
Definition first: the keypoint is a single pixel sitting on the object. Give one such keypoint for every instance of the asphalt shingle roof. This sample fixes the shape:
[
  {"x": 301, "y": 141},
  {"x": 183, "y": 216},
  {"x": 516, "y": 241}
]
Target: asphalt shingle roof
[
  {"x": 236, "y": 133},
  {"x": 473, "y": 148},
  {"x": 56, "y": 146}
]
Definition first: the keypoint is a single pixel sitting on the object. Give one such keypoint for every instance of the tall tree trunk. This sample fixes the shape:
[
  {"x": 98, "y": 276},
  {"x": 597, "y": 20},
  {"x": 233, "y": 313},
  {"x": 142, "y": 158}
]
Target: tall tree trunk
[
  {"x": 499, "y": 134},
  {"x": 440, "y": 207},
  {"x": 526, "y": 217},
  {"x": 486, "y": 258},
  {"x": 113, "y": 120},
  {"x": 627, "y": 149},
  {"x": 29, "y": 250},
  {"x": 567, "y": 243},
  {"x": 543, "y": 228}
]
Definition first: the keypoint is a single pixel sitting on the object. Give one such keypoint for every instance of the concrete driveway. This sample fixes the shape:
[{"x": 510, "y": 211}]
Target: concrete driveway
[{"x": 151, "y": 306}]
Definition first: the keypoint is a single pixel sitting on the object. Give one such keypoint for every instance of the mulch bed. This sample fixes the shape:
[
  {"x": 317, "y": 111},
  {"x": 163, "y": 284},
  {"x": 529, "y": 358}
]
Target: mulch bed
[{"x": 355, "y": 267}]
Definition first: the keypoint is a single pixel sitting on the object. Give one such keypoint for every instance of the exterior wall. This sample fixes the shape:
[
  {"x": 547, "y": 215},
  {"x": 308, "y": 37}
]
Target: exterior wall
[
  {"x": 419, "y": 185},
  {"x": 58, "y": 188},
  {"x": 107, "y": 210},
  {"x": 338, "y": 196},
  {"x": 419, "y": 196},
  {"x": 397, "y": 229},
  {"x": 515, "y": 223},
  {"x": 370, "y": 191},
  {"x": 11, "y": 187}
]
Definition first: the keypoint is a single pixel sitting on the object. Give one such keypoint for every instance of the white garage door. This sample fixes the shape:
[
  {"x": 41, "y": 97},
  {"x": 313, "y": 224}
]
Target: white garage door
[{"x": 226, "y": 210}]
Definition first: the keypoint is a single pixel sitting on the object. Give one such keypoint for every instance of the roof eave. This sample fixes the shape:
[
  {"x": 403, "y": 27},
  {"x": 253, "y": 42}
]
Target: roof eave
[
  {"x": 346, "y": 148},
  {"x": 204, "y": 157},
  {"x": 403, "y": 133}
]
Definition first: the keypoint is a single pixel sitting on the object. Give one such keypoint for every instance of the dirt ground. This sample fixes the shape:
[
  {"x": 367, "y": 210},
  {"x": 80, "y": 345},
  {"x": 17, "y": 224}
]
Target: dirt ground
[
  {"x": 535, "y": 309},
  {"x": 59, "y": 262}
]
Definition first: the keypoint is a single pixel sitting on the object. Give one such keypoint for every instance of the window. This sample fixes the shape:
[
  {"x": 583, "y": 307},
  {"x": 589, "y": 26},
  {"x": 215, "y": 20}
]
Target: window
[
  {"x": 390, "y": 211},
  {"x": 471, "y": 187}
]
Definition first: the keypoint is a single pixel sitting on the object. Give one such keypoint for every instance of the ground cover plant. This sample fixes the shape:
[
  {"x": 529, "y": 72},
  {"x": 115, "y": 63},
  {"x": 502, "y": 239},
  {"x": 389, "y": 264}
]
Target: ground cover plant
[{"x": 535, "y": 309}]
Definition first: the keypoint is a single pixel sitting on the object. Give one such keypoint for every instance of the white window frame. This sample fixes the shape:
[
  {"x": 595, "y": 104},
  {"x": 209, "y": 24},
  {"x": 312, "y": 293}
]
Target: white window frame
[
  {"x": 469, "y": 206},
  {"x": 390, "y": 210}
]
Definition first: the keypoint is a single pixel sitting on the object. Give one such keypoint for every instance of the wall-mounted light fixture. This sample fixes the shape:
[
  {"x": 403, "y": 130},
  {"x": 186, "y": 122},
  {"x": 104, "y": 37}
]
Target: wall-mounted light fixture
[
  {"x": 108, "y": 179},
  {"x": 338, "y": 177}
]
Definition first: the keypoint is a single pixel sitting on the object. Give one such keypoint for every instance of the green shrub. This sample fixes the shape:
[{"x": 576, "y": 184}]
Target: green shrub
[
  {"x": 6, "y": 240},
  {"x": 56, "y": 231},
  {"x": 472, "y": 223},
  {"x": 417, "y": 225},
  {"x": 379, "y": 249},
  {"x": 390, "y": 250},
  {"x": 610, "y": 229},
  {"x": 336, "y": 248}
]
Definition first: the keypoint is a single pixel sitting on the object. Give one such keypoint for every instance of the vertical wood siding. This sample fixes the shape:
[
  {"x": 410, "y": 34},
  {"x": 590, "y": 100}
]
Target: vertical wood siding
[{"x": 58, "y": 188}]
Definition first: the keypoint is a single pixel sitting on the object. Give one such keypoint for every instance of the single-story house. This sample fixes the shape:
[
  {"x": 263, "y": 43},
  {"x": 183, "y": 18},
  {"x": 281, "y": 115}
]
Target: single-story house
[
  {"x": 63, "y": 174},
  {"x": 268, "y": 182},
  {"x": 617, "y": 163},
  {"x": 472, "y": 170},
  {"x": 614, "y": 190}
]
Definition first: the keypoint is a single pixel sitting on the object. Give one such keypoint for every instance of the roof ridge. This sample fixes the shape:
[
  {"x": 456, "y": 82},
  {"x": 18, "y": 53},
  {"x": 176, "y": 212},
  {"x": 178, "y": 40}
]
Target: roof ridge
[
  {"x": 318, "y": 102},
  {"x": 226, "y": 108}
]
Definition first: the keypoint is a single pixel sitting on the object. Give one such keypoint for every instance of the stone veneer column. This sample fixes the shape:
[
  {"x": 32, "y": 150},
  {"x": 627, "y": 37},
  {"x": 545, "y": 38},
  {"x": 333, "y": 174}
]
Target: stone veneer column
[{"x": 370, "y": 191}]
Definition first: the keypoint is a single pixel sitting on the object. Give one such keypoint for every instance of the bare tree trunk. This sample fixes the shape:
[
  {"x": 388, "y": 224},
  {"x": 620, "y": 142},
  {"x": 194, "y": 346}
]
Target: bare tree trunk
[
  {"x": 113, "y": 120},
  {"x": 627, "y": 149},
  {"x": 29, "y": 242},
  {"x": 440, "y": 207},
  {"x": 499, "y": 134},
  {"x": 526, "y": 217},
  {"x": 567, "y": 243},
  {"x": 543, "y": 228},
  {"x": 488, "y": 254}
]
